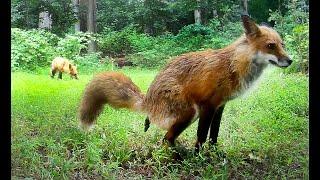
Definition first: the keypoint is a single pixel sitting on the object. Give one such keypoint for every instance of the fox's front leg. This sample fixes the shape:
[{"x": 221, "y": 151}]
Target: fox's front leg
[
  {"x": 206, "y": 115},
  {"x": 60, "y": 75},
  {"x": 53, "y": 72},
  {"x": 215, "y": 124}
]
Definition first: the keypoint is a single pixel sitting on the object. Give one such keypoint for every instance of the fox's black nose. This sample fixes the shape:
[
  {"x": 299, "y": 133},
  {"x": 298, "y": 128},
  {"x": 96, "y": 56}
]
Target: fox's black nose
[{"x": 288, "y": 60}]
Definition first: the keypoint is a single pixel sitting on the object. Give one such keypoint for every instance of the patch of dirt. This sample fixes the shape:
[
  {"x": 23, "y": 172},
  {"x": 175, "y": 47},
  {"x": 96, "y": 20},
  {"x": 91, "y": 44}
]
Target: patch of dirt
[
  {"x": 69, "y": 151},
  {"x": 43, "y": 152},
  {"x": 80, "y": 174},
  {"x": 147, "y": 171},
  {"x": 34, "y": 133},
  {"x": 188, "y": 177}
]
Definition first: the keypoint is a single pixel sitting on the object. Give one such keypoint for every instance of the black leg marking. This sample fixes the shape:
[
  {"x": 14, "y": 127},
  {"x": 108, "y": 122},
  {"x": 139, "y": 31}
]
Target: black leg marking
[
  {"x": 60, "y": 75},
  {"x": 206, "y": 115},
  {"x": 215, "y": 125},
  {"x": 53, "y": 72},
  {"x": 146, "y": 124}
]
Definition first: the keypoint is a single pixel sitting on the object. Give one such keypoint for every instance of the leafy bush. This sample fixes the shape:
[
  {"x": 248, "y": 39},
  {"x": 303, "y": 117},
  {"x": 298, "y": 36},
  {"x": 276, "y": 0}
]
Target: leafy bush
[
  {"x": 116, "y": 43},
  {"x": 156, "y": 52},
  {"x": 232, "y": 31},
  {"x": 194, "y": 30},
  {"x": 143, "y": 50},
  {"x": 298, "y": 44},
  {"x": 91, "y": 62},
  {"x": 149, "y": 58},
  {"x": 194, "y": 36},
  {"x": 222, "y": 38},
  {"x": 88, "y": 60},
  {"x": 294, "y": 27},
  {"x": 36, "y": 48},
  {"x": 142, "y": 42},
  {"x": 32, "y": 48},
  {"x": 72, "y": 45},
  {"x": 147, "y": 51}
]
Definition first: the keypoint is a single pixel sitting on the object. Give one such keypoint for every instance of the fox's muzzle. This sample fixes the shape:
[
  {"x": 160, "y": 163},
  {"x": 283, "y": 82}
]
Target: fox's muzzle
[
  {"x": 74, "y": 76},
  {"x": 283, "y": 62}
]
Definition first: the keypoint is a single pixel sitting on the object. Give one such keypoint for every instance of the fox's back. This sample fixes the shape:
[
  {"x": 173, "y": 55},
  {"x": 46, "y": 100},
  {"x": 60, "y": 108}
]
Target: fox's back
[
  {"x": 193, "y": 77},
  {"x": 60, "y": 63}
]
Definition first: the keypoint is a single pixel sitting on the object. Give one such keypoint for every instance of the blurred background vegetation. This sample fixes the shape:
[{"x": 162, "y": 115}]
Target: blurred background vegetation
[{"x": 145, "y": 33}]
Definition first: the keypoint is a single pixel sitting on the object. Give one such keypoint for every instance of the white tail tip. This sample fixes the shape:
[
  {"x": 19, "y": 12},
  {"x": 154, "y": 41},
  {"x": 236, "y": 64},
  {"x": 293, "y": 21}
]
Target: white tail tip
[{"x": 85, "y": 126}]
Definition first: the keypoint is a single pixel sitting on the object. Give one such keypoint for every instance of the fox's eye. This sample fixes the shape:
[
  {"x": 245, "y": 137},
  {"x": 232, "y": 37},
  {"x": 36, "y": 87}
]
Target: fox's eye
[
  {"x": 283, "y": 45},
  {"x": 271, "y": 46}
]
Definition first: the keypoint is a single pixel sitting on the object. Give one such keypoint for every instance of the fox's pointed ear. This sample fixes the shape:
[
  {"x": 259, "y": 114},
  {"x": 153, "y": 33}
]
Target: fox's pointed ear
[{"x": 251, "y": 29}]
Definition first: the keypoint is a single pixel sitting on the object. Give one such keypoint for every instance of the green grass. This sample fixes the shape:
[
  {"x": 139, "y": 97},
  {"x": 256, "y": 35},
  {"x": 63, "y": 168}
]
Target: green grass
[{"x": 263, "y": 135}]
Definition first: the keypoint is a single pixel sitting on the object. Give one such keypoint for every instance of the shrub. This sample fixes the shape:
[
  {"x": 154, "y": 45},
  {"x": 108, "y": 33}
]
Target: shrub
[
  {"x": 157, "y": 53},
  {"x": 72, "y": 45},
  {"x": 116, "y": 43},
  {"x": 298, "y": 45},
  {"x": 141, "y": 42},
  {"x": 222, "y": 38},
  {"x": 32, "y": 48},
  {"x": 149, "y": 58},
  {"x": 91, "y": 62},
  {"x": 37, "y": 48},
  {"x": 294, "y": 27},
  {"x": 194, "y": 36},
  {"x": 88, "y": 60}
]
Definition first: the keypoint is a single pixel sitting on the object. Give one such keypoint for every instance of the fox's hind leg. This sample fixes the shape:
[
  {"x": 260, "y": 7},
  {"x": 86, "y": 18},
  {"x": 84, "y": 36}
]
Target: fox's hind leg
[
  {"x": 180, "y": 125},
  {"x": 146, "y": 124}
]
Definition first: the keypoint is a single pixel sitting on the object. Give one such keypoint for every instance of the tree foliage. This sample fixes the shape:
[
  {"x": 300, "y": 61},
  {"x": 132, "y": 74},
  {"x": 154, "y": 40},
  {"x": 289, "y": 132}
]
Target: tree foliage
[
  {"x": 36, "y": 48},
  {"x": 294, "y": 27},
  {"x": 149, "y": 32},
  {"x": 25, "y": 14}
]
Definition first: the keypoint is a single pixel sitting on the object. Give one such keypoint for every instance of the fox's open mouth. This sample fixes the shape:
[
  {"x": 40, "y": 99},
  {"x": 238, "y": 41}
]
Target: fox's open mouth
[
  {"x": 276, "y": 64},
  {"x": 273, "y": 62}
]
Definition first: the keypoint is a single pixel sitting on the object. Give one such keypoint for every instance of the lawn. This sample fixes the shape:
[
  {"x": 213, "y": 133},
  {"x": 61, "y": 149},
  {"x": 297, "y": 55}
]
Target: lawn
[{"x": 263, "y": 135}]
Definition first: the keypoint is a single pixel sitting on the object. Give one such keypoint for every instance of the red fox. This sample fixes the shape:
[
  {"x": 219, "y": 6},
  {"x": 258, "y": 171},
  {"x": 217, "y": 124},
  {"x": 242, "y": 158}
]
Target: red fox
[
  {"x": 63, "y": 65},
  {"x": 193, "y": 85}
]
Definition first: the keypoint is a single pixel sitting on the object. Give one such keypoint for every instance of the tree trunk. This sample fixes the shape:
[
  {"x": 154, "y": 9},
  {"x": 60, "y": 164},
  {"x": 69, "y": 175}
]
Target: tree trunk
[
  {"x": 83, "y": 14},
  {"x": 92, "y": 26},
  {"x": 45, "y": 20},
  {"x": 76, "y": 12},
  {"x": 214, "y": 13},
  {"x": 245, "y": 6},
  {"x": 197, "y": 13}
]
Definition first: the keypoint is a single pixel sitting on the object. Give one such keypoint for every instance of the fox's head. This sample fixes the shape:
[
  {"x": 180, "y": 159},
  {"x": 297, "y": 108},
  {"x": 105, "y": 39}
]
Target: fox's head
[
  {"x": 73, "y": 71},
  {"x": 266, "y": 42}
]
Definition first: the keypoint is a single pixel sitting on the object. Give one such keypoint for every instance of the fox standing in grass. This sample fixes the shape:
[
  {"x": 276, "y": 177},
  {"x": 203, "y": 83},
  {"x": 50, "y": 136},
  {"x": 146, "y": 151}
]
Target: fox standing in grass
[
  {"x": 193, "y": 85},
  {"x": 63, "y": 65}
]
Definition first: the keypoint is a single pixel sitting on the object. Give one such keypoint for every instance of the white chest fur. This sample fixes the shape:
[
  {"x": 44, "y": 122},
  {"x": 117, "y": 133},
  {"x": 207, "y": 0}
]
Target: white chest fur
[{"x": 258, "y": 63}]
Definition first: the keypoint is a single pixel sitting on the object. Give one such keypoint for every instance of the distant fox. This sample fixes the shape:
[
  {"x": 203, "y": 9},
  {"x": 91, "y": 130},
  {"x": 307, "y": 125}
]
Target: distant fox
[
  {"x": 193, "y": 85},
  {"x": 61, "y": 65}
]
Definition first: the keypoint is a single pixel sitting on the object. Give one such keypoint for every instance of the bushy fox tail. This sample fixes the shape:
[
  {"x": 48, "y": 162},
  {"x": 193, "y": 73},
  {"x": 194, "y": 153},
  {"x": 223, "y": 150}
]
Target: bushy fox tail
[{"x": 111, "y": 88}]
